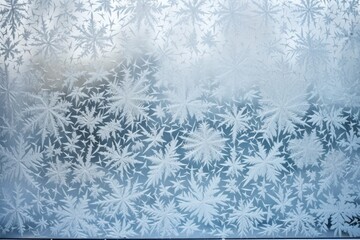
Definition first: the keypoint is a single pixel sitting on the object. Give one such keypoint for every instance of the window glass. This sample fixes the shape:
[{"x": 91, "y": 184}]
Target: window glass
[{"x": 179, "y": 119}]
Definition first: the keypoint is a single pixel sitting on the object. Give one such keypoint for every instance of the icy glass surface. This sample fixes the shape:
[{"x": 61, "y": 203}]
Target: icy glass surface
[{"x": 189, "y": 118}]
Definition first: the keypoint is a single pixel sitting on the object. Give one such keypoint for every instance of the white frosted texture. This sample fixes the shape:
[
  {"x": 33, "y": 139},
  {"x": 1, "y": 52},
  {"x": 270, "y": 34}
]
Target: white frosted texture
[{"x": 179, "y": 119}]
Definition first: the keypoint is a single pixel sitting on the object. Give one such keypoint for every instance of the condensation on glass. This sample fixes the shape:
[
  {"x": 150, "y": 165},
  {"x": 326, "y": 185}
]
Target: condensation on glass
[{"x": 188, "y": 119}]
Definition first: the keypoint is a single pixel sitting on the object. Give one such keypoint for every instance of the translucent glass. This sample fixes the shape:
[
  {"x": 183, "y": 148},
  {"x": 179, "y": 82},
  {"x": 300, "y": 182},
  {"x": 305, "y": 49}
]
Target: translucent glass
[{"x": 179, "y": 119}]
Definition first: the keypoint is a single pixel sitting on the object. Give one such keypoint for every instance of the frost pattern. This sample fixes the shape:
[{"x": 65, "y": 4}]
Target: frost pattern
[{"x": 191, "y": 118}]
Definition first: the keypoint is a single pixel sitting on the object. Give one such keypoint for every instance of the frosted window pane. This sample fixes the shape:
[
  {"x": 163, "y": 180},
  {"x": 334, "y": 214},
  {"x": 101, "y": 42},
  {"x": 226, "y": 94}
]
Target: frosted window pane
[{"x": 193, "y": 118}]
